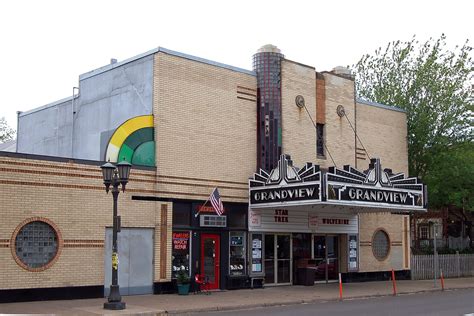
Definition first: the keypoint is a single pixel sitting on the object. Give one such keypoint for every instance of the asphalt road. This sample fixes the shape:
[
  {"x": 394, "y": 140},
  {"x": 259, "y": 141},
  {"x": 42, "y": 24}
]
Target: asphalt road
[{"x": 456, "y": 302}]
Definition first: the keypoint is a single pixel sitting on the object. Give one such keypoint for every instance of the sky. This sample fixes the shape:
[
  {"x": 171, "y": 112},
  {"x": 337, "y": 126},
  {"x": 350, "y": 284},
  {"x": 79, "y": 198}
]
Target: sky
[{"x": 45, "y": 45}]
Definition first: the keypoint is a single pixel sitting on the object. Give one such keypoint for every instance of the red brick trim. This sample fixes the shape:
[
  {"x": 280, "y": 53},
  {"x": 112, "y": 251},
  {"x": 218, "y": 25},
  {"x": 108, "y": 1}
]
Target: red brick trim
[
  {"x": 100, "y": 178},
  {"x": 83, "y": 243},
  {"x": 246, "y": 99},
  {"x": 17, "y": 230},
  {"x": 163, "y": 240},
  {"x": 101, "y": 188},
  {"x": 245, "y": 88}
]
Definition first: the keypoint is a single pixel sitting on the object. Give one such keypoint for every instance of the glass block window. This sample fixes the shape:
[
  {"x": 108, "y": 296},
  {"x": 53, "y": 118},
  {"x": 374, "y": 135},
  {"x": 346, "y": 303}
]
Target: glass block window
[
  {"x": 36, "y": 244},
  {"x": 380, "y": 244}
]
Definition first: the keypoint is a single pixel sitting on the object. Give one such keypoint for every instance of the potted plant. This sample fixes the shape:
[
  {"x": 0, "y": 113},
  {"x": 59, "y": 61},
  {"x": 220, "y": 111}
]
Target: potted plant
[{"x": 182, "y": 278}]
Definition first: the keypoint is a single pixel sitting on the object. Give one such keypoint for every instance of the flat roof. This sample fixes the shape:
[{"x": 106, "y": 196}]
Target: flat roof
[
  {"x": 380, "y": 105},
  {"x": 166, "y": 51},
  {"x": 44, "y": 107}
]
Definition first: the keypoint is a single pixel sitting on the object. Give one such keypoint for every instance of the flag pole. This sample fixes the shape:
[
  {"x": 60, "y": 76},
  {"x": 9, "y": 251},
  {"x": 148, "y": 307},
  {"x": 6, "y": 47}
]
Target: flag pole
[{"x": 199, "y": 209}]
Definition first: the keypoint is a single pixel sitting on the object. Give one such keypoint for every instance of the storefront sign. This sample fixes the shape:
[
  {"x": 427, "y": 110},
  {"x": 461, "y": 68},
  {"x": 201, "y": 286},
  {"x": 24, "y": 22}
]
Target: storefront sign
[
  {"x": 207, "y": 209},
  {"x": 289, "y": 194},
  {"x": 374, "y": 188},
  {"x": 180, "y": 240},
  {"x": 286, "y": 185}
]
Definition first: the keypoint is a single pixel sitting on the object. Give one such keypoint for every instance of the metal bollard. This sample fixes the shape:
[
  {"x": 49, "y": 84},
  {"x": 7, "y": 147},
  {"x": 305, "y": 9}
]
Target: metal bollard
[
  {"x": 394, "y": 283},
  {"x": 340, "y": 287}
]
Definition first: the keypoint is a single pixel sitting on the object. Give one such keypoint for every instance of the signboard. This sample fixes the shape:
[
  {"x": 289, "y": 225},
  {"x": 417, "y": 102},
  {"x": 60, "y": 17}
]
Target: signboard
[
  {"x": 257, "y": 253},
  {"x": 255, "y": 219},
  {"x": 352, "y": 261},
  {"x": 180, "y": 240},
  {"x": 286, "y": 185},
  {"x": 374, "y": 188}
]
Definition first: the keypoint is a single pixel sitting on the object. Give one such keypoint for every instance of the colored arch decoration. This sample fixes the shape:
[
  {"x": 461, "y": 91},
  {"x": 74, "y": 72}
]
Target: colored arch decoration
[{"x": 133, "y": 141}]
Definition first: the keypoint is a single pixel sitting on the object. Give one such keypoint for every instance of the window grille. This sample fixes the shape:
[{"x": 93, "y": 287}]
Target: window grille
[
  {"x": 213, "y": 221},
  {"x": 36, "y": 244},
  {"x": 380, "y": 244}
]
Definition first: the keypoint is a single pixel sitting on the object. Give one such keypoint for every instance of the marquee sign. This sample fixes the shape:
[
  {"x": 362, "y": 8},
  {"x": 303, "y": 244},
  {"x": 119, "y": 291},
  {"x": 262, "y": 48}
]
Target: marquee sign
[
  {"x": 374, "y": 188},
  {"x": 286, "y": 185}
]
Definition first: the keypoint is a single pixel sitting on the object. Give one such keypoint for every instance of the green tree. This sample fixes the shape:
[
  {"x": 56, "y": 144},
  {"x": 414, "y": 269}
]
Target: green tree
[
  {"x": 433, "y": 84},
  {"x": 6, "y": 132},
  {"x": 450, "y": 178}
]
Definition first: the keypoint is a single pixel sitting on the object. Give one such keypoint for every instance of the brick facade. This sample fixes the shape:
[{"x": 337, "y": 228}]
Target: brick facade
[
  {"x": 72, "y": 197},
  {"x": 205, "y": 132}
]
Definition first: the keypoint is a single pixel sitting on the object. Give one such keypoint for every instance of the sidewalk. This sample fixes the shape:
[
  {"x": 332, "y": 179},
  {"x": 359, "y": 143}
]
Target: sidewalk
[{"x": 226, "y": 300}]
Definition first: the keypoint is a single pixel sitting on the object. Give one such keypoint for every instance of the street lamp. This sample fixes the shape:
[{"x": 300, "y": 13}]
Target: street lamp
[{"x": 115, "y": 176}]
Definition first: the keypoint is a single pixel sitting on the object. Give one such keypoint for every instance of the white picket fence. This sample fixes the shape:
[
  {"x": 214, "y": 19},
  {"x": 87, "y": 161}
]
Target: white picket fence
[{"x": 453, "y": 266}]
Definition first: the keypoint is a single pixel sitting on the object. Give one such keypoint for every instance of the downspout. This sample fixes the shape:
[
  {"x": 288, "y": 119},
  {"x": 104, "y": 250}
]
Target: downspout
[
  {"x": 355, "y": 125},
  {"x": 72, "y": 120},
  {"x": 17, "y": 128}
]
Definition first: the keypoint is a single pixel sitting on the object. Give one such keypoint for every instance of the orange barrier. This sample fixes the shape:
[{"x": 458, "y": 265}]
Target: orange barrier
[
  {"x": 442, "y": 281},
  {"x": 394, "y": 283},
  {"x": 340, "y": 287}
]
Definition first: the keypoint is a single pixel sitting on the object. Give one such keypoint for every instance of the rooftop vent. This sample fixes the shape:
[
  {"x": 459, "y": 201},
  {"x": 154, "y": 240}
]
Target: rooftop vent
[
  {"x": 269, "y": 48},
  {"x": 113, "y": 61},
  {"x": 343, "y": 71}
]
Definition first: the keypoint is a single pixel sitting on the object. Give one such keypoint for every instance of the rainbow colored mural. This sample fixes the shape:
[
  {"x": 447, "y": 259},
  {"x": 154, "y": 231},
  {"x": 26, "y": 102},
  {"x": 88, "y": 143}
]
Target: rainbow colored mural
[{"x": 133, "y": 141}]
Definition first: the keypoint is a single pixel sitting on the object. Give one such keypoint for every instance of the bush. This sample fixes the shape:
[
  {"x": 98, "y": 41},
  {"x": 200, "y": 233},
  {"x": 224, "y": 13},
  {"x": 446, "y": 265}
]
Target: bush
[{"x": 182, "y": 277}]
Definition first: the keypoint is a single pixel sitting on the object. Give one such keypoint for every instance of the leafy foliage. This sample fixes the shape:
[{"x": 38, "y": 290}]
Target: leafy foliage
[
  {"x": 182, "y": 277},
  {"x": 434, "y": 86},
  {"x": 6, "y": 132},
  {"x": 450, "y": 178}
]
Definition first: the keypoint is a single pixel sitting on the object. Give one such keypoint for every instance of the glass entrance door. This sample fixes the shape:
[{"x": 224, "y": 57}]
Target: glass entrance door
[
  {"x": 277, "y": 259},
  {"x": 326, "y": 255},
  {"x": 210, "y": 259}
]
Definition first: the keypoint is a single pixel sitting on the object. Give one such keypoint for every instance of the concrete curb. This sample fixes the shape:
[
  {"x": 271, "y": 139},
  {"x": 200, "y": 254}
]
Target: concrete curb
[{"x": 304, "y": 301}]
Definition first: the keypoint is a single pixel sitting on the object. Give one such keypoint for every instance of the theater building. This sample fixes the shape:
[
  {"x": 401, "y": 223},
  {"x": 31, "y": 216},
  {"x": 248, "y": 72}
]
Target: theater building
[{"x": 312, "y": 180}]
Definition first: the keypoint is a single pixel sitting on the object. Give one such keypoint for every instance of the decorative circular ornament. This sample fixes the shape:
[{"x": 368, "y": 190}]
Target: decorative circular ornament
[
  {"x": 36, "y": 244},
  {"x": 340, "y": 111},
  {"x": 380, "y": 244},
  {"x": 299, "y": 100}
]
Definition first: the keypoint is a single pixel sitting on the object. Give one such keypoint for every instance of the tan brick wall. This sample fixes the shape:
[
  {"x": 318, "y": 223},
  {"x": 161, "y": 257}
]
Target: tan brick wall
[
  {"x": 393, "y": 224},
  {"x": 205, "y": 135},
  {"x": 298, "y": 132},
  {"x": 72, "y": 196},
  {"x": 320, "y": 99},
  {"x": 340, "y": 138},
  {"x": 384, "y": 134}
]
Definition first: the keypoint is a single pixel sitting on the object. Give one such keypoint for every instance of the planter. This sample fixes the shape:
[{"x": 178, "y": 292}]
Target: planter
[{"x": 183, "y": 289}]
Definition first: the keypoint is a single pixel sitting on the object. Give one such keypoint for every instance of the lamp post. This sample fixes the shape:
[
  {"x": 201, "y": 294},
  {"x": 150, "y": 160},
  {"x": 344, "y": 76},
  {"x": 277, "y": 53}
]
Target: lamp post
[{"x": 115, "y": 176}]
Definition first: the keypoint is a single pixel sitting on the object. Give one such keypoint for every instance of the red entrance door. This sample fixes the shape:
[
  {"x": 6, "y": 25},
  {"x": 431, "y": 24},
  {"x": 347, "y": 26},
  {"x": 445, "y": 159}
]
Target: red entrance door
[{"x": 210, "y": 259}]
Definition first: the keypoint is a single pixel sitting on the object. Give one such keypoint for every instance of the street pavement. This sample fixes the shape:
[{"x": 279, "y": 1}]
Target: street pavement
[
  {"x": 452, "y": 302},
  {"x": 234, "y": 300}
]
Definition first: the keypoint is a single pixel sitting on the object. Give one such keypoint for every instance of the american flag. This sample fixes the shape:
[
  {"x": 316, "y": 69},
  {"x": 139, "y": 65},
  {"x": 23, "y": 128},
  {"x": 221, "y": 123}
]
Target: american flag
[{"x": 216, "y": 202}]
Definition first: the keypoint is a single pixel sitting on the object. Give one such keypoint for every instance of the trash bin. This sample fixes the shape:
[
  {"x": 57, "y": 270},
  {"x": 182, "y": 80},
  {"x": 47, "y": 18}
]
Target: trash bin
[{"x": 306, "y": 276}]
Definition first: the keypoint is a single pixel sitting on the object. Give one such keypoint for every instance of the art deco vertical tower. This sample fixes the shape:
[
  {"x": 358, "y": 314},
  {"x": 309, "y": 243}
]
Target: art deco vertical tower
[{"x": 267, "y": 65}]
